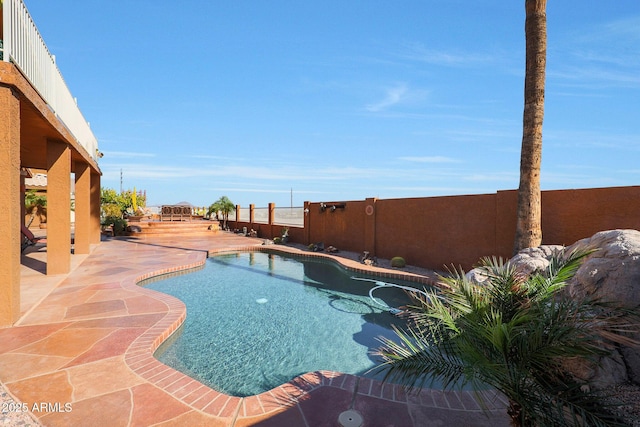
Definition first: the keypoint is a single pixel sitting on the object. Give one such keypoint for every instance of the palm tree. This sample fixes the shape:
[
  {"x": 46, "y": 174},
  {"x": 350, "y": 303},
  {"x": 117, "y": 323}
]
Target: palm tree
[
  {"x": 512, "y": 332},
  {"x": 528, "y": 227},
  {"x": 224, "y": 206},
  {"x": 35, "y": 204}
]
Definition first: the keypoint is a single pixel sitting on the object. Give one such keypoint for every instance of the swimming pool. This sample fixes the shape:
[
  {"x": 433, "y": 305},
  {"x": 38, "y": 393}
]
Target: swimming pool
[{"x": 256, "y": 320}]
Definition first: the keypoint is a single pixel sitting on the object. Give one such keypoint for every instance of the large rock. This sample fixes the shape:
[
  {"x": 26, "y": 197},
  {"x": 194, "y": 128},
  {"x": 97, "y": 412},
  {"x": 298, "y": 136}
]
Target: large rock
[
  {"x": 612, "y": 272},
  {"x": 531, "y": 260}
]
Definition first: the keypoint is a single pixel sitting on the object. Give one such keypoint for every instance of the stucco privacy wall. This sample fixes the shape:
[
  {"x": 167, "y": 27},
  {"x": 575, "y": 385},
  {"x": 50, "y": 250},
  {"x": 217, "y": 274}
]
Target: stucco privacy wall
[{"x": 435, "y": 232}]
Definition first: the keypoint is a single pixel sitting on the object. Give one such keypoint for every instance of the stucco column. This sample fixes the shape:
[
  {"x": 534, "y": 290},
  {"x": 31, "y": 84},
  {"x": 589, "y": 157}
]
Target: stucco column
[
  {"x": 82, "y": 235},
  {"x": 58, "y": 208},
  {"x": 94, "y": 209},
  {"x": 370, "y": 225},
  {"x": 10, "y": 200}
]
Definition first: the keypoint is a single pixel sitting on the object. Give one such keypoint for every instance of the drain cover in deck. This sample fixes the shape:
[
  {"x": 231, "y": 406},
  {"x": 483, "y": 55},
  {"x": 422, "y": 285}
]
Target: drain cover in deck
[{"x": 350, "y": 418}]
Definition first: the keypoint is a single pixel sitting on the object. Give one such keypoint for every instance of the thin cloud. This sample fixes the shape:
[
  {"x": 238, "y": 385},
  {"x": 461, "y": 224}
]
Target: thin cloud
[
  {"x": 398, "y": 94},
  {"x": 393, "y": 97},
  {"x": 429, "y": 159},
  {"x": 418, "y": 52},
  {"x": 490, "y": 177},
  {"x": 601, "y": 56},
  {"x": 596, "y": 77},
  {"x": 263, "y": 190},
  {"x": 127, "y": 154}
]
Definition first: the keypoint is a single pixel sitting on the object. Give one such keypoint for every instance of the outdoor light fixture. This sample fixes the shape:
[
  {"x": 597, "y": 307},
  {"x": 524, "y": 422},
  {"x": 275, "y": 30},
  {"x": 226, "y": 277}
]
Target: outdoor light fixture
[{"x": 333, "y": 207}]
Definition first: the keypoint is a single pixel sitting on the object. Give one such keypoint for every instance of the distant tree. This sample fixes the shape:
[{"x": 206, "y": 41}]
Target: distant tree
[
  {"x": 222, "y": 206},
  {"x": 529, "y": 219},
  {"x": 112, "y": 201},
  {"x": 35, "y": 204}
]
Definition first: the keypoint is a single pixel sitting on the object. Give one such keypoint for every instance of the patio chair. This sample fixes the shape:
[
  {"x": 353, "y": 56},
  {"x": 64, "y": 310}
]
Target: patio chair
[{"x": 28, "y": 239}]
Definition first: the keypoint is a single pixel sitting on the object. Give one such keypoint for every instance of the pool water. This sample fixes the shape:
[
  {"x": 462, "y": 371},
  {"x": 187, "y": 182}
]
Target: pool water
[{"x": 256, "y": 320}]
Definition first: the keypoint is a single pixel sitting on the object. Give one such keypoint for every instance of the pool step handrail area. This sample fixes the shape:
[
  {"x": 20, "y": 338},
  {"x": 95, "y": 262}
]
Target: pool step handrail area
[{"x": 23, "y": 45}]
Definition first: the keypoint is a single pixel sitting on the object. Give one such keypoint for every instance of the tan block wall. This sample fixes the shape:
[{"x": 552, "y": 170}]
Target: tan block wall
[{"x": 438, "y": 232}]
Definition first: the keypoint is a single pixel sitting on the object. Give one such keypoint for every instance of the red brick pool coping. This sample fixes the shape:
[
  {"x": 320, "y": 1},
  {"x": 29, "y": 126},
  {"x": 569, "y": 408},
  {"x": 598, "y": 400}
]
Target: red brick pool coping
[
  {"x": 160, "y": 395},
  {"x": 139, "y": 357}
]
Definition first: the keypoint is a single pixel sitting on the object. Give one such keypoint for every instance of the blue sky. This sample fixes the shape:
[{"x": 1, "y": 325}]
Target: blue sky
[{"x": 338, "y": 100}]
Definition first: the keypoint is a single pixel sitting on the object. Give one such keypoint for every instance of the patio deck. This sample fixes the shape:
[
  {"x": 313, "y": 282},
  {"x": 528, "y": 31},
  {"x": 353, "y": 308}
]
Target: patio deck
[{"x": 82, "y": 354}]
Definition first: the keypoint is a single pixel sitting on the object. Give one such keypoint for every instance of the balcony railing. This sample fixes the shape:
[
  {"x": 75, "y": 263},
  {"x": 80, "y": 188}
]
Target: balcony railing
[{"x": 23, "y": 45}]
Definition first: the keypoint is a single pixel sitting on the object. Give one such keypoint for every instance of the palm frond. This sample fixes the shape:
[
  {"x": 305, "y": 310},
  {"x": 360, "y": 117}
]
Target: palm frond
[{"x": 512, "y": 332}]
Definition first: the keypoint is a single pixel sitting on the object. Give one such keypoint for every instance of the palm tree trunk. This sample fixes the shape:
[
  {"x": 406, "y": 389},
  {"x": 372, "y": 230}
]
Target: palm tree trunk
[
  {"x": 529, "y": 227},
  {"x": 515, "y": 414}
]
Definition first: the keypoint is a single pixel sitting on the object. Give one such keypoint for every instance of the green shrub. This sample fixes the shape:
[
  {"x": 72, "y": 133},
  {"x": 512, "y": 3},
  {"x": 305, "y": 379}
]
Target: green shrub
[
  {"x": 111, "y": 210},
  {"x": 119, "y": 225},
  {"x": 398, "y": 262}
]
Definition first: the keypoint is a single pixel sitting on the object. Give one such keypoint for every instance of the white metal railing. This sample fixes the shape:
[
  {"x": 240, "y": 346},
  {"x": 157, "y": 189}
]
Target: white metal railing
[{"x": 23, "y": 46}]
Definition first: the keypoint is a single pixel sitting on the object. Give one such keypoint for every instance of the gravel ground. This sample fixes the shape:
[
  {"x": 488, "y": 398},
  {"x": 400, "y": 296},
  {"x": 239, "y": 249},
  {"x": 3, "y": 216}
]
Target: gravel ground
[
  {"x": 12, "y": 413},
  {"x": 627, "y": 400}
]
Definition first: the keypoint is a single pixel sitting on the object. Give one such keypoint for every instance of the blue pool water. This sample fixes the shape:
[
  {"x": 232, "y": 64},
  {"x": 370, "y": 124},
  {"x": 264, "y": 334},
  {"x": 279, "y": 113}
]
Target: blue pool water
[{"x": 256, "y": 320}]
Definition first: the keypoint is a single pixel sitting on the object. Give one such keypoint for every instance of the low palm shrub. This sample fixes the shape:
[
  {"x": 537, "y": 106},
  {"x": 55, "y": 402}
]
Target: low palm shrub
[{"x": 511, "y": 332}]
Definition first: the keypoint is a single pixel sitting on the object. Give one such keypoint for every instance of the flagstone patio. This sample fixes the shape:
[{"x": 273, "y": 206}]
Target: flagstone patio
[{"x": 82, "y": 354}]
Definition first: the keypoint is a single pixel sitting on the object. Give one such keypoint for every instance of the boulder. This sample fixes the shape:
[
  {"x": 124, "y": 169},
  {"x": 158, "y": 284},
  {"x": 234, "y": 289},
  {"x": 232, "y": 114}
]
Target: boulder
[
  {"x": 527, "y": 261},
  {"x": 531, "y": 260},
  {"x": 612, "y": 272}
]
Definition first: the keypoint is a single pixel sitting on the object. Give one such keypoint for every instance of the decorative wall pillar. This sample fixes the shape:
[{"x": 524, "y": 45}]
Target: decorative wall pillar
[
  {"x": 370, "y": 225},
  {"x": 271, "y": 212},
  {"x": 58, "y": 207},
  {"x": 82, "y": 235},
  {"x": 10, "y": 201},
  {"x": 94, "y": 209},
  {"x": 252, "y": 213},
  {"x": 307, "y": 223}
]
